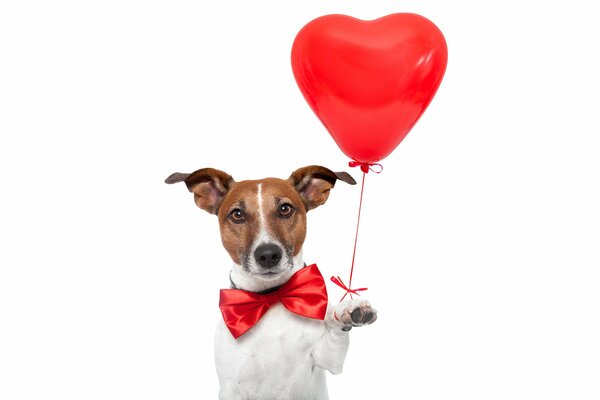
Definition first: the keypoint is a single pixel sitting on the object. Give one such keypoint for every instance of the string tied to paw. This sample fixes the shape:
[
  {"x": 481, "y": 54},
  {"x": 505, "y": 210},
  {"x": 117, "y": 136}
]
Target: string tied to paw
[
  {"x": 338, "y": 281},
  {"x": 365, "y": 167}
]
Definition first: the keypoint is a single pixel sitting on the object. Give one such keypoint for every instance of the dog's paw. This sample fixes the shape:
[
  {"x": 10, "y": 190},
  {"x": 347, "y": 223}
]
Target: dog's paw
[{"x": 352, "y": 313}]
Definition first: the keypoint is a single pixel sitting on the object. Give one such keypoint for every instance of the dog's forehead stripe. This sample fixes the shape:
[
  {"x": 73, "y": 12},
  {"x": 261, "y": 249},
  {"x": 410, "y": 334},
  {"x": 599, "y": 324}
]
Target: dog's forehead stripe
[{"x": 261, "y": 212}]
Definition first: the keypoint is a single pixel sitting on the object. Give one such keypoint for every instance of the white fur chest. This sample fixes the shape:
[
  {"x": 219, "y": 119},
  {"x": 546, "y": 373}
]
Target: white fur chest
[{"x": 273, "y": 360}]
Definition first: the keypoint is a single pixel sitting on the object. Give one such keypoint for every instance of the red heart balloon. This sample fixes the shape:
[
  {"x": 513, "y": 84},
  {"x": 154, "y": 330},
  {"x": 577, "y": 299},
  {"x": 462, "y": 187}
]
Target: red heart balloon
[{"x": 369, "y": 81}]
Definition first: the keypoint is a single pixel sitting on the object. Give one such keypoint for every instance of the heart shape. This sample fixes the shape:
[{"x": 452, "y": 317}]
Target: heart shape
[{"x": 369, "y": 81}]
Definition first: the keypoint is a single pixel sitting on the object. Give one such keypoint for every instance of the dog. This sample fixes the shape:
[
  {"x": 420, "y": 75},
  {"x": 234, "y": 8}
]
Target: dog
[{"x": 262, "y": 223}]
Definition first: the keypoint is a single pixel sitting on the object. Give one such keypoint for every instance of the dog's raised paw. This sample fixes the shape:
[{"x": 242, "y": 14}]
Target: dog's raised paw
[
  {"x": 355, "y": 313},
  {"x": 362, "y": 315}
]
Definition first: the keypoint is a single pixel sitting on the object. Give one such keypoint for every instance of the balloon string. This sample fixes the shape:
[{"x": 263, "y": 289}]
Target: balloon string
[
  {"x": 365, "y": 168},
  {"x": 362, "y": 189},
  {"x": 337, "y": 280}
]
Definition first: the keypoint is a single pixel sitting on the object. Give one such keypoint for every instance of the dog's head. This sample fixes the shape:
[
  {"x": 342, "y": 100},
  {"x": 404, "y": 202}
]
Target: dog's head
[{"x": 262, "y": 222}]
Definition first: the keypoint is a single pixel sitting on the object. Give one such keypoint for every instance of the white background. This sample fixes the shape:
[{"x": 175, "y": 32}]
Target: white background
[{"x": 480, "y": 240}]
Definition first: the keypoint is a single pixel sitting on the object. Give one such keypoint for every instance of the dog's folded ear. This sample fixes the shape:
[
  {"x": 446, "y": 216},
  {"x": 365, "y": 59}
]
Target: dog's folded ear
[
  {"x": 209, "y": 186},
  {"x": 314, "y": 182}
]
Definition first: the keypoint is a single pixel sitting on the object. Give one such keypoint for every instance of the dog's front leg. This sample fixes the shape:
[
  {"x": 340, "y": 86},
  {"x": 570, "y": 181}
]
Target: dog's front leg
[{"x": 330, "y": 352}]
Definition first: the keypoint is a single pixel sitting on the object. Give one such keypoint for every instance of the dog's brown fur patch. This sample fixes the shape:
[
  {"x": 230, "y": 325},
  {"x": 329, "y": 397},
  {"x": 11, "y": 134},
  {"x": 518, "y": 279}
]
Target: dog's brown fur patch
[
  {"x": 238, "y": 238},
  {"x": 290, "y": 231},
  {"x": 314, "y": 182}
]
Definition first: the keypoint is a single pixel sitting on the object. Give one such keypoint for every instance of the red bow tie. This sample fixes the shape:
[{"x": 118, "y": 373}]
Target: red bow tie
[{"x": 303, "y": 294}]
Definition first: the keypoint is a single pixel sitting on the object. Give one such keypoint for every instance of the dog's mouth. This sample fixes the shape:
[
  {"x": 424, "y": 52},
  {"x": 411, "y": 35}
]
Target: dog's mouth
[
  {"x": 270, "y": 273},
  {"x": 276, "y": 271}
]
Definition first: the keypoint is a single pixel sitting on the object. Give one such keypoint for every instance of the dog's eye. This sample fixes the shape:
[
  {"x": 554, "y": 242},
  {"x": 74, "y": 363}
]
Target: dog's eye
[
  {"x": 285, "y": 210},
  {"x": 237, "y": 216}
]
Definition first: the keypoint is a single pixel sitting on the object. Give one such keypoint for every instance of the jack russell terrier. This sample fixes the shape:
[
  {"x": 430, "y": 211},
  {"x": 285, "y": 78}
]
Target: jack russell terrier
[{"x": 278, "y": 335}]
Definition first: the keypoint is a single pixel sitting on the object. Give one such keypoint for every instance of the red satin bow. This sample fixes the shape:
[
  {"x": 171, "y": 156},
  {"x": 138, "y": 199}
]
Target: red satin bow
[{"x": 304, "y": 294}]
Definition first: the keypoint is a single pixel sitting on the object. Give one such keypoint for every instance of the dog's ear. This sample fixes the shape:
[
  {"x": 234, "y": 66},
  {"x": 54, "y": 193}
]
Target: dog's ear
[
  {"x": 208, "y": 185},
  {"x": 314, "y": 182}
]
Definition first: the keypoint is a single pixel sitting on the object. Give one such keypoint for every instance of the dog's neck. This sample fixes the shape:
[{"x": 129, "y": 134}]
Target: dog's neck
[{"x": 241, "y": 279}]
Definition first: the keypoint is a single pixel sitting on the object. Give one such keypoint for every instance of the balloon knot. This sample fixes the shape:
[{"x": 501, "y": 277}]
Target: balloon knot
[{"x": 367, "y": 166}]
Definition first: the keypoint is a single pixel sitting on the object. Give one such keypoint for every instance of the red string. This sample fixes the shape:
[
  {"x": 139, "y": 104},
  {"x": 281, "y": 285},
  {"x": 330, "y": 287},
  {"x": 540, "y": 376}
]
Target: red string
[
  {"x": 338, "y": 281},
  {"x": 365, "y": 168}
]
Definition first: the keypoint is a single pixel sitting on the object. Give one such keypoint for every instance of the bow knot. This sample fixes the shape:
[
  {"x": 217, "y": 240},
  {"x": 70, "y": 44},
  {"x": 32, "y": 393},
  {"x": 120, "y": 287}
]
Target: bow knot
[
  {"x": 272, "y": 298},
  {"x": 304, "y": 294},
  {"x": 338, "y": 281},
  {"x": 366, "y": 166}
]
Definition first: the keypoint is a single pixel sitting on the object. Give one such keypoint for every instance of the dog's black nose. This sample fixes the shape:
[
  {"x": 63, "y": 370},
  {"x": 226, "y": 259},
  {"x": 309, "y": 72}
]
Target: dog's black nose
[{"x": 268, "y": 255}]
